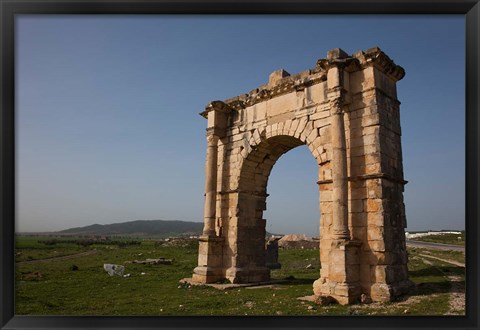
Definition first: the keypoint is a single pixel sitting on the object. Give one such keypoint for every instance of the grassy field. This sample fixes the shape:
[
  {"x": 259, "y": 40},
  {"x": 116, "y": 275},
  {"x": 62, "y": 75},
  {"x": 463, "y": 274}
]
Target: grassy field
[
  {"x": 54, "y": 288},
  {"x": 455, "y": 239}
]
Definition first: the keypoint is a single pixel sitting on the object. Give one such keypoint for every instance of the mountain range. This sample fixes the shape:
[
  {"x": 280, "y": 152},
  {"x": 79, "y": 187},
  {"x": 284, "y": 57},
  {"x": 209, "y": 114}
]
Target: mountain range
[{"x": 139, "y": 228}]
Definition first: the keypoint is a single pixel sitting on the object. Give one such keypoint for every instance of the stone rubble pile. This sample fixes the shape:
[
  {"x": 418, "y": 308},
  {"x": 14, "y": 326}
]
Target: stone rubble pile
[{"x": 293, "y": 241}]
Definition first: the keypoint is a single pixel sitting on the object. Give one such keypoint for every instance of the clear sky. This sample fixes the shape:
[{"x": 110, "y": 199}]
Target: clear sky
[{"x": 107, "y": 112}]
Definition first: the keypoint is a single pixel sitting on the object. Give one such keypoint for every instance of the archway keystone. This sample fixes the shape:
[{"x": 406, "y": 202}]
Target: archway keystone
[{"x": 346, "y": 111}]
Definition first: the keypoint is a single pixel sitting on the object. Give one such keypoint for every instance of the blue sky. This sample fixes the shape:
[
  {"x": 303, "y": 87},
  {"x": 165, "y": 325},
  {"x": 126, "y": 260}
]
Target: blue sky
[{"x": 107, "y": 112}]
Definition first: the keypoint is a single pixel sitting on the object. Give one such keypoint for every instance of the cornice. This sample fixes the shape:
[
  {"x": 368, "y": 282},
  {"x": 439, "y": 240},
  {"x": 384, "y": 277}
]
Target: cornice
[{"x": 298, "y": 82}]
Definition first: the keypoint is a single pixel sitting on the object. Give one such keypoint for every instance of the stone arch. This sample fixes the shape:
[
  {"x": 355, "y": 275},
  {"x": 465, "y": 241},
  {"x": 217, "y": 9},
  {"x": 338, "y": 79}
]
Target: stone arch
[
  {"x": 346, "y": 111},
  {"x": 252, "y": 194},
  {"x": 262, "y": 156}
]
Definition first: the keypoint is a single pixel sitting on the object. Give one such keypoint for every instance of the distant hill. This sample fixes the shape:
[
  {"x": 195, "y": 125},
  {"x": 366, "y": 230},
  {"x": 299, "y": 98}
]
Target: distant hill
[
  {"x": 140, "y": 228},
  {"x": 156, "y": 228}
]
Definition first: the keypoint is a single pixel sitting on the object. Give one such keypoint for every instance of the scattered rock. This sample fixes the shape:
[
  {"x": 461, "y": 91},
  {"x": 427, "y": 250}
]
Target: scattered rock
[
  {"x": 309, "y": 266},
  {"x": 112, "y": 269},
  {"x": 311, "y": 298},
  {"x": 325, "y": 300},
  {"x": 310, "y": 308},
  {"x": 159, "y": 261},
  {"x": 126, "y": 275},
  {"x": 33, "y": 276},
  {"x": 364, "y": 299},
  {"x": 181, "y": 241},
  {"x": 249, "y": 304},
  {"x": 259, "y": 287}
]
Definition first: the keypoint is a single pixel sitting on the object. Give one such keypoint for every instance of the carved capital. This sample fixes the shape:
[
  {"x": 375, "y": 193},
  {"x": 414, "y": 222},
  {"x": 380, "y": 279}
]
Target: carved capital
[
  {"x": 337, "y": 104},
  {"x": 337, "y": 99},
  {"x": 212, "y": 138},
  {"x": 348, "y": 64}
]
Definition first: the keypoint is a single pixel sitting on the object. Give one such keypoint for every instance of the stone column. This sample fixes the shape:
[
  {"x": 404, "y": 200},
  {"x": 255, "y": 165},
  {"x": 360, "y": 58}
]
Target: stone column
[
  {"x": 339, "y": 171},
  {"x": 210, "y": 246},
  {"x": 341, "y": 280},
  {"x": 210, "y": 185}
]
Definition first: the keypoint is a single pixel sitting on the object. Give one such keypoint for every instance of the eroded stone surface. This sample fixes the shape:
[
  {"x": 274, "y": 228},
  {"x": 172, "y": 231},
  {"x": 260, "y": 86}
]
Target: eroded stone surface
[{"x": 346, "y": 111}]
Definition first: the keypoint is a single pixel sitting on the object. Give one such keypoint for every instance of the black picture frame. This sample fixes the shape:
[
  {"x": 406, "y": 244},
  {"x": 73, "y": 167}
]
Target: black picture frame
[{"x": 10, "y": 8}]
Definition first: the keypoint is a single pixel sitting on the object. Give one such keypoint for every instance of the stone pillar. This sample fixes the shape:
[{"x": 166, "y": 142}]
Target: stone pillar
[
  {"x": 210, "y": 185},
  {"x": 341, "y": 281},
  {"x": 339, "y": 172},
  {"x": 337, "y": 85},
  {"x": 271, "y": 254},
  {"x": 210, "y": 247}
]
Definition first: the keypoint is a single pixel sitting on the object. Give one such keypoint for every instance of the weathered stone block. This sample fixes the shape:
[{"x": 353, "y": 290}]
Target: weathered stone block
[
  {"x": 362, "y": 80},
  {"x": 322, "y": 123},
  {"x": 378, "y": 245},
  {"x": 358, "y": 193},
  {"x": 276, "y": 76},
  {"x": 326, "y": 220},
  {"x": 358, "y": 219},
  {"x": 380, "y": 274},
  {"x": 279, "y": 119},
  {"x": 317, "y": 93},
  {"x": 381, "y": 292},
  {"x": 375, "y": 219},
  {"x": 326, "y": 196},
  {"x": 365, "y": 271},
  {"x": 336, "y": 276},
  {"x": 359, "y": 233},
  {"x": 356, "y": 205},
  {"x": 375, "y": 233}
]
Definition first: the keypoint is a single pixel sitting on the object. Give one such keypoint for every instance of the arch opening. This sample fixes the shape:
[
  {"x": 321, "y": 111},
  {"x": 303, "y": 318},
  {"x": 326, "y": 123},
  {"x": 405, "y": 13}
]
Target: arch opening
[
  {"x": 293, "y": 216},
  {"x": 250, "y": 264},
  {"x": 293, "y": 194}
]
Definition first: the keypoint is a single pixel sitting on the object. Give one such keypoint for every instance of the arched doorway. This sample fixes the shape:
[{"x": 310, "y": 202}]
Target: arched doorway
[
  {"x": 248, "y": 241},
  {"x": 293, "y": 195}
]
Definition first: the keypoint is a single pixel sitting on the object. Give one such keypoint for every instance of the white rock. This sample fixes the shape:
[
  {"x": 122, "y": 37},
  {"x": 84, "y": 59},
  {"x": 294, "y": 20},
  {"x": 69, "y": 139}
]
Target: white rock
[{"x": 112, "y": 269}]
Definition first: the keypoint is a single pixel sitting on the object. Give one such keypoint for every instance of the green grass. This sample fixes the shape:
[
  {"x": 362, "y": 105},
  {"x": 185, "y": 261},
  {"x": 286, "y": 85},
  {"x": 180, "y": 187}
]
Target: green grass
[
  {"x": 458, "y": 256},
  {"x": 31, "y": 248},
  {"x": 57, "y": 290},
  {"x": 443, "y": 238}
]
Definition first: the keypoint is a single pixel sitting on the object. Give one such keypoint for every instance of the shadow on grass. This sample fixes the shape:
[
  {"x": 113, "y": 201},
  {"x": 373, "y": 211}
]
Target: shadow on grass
[
  {"x": 432, "y": 280},
  {"x": 291, "y": 280},
  {"x": 300, "y": 281},
  {"x": 437, "y": 271}
]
